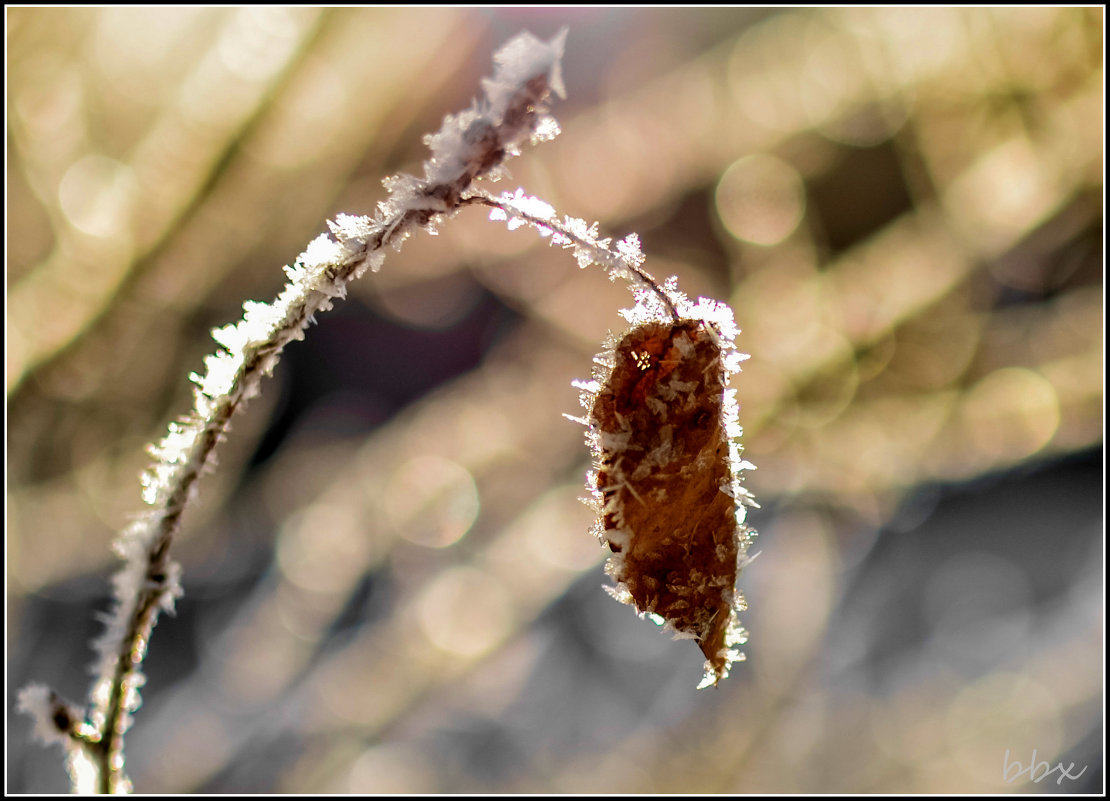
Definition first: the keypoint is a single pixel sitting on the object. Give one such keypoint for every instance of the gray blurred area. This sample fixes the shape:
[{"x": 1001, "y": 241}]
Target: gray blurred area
[{"x": 390, "y": 584}]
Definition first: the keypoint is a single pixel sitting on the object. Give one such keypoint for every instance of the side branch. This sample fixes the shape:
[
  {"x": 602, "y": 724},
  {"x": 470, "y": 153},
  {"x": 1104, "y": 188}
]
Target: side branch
[{"x": 624, "y": 262}]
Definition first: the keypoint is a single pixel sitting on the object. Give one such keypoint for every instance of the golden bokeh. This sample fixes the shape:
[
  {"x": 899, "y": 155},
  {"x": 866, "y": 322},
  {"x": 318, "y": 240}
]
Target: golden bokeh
[{"x": 390, "y": 584}]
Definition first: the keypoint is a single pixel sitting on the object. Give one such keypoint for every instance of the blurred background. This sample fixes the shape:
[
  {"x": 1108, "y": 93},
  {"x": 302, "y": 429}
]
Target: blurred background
[{"x": 390, "y": 585}]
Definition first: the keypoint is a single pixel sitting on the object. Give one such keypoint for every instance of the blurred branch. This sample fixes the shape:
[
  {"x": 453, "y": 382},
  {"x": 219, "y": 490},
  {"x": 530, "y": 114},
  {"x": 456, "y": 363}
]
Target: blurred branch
[{"x": 172, "y": 168}]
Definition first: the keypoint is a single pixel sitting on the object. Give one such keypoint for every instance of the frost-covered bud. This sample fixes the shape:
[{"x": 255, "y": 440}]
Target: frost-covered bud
[
  {"x": 666, "y": 477},
  {"x": 54, "y": 719}
]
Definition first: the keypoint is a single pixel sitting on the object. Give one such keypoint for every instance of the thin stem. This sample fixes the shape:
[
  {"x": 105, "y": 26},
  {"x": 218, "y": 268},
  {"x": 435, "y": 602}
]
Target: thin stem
[
  {"x": 598, "y": 251},
  {"x": 154, "y": 596}
]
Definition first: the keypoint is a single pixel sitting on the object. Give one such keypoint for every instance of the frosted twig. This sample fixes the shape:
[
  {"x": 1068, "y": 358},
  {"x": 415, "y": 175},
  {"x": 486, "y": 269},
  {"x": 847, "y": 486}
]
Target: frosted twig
[
  {"x": 471, "y": 145},
  {"x": 623, "y": 262}
]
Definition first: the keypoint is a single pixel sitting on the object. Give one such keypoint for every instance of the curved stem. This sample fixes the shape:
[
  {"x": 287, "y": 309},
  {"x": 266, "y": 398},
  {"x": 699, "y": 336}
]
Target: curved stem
[
  {"x": 467, "y": 147},
  {"x": 599, "y": 252}
]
